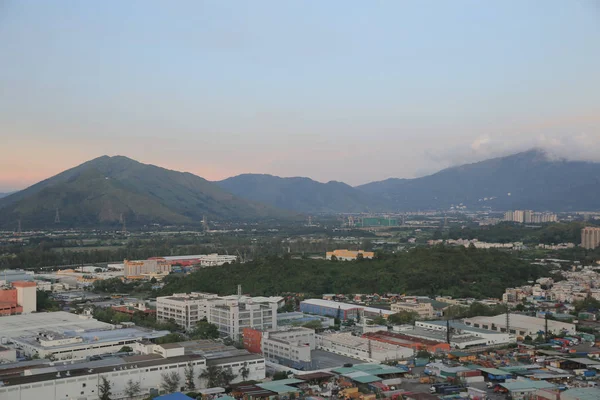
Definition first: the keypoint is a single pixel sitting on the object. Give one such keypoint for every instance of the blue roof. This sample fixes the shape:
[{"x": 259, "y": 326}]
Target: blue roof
[{"x": 173, "y": 396}]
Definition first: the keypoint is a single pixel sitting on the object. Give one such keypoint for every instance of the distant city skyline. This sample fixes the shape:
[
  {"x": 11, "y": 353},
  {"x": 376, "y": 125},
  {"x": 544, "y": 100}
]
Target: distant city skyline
[{"x": 340, "y": 90}]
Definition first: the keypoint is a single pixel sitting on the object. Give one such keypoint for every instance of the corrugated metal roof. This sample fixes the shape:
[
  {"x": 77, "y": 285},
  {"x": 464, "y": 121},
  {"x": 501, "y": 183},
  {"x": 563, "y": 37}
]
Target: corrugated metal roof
[{"x": 526, "y": 384}]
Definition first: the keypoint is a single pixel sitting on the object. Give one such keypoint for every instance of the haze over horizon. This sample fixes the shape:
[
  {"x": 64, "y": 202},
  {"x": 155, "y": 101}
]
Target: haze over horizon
[{"x": 332, "y": 91}]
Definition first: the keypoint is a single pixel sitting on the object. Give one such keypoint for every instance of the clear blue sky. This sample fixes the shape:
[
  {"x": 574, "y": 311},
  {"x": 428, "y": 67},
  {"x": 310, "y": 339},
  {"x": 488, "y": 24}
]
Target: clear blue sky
[{"x": 335, "y": 90}]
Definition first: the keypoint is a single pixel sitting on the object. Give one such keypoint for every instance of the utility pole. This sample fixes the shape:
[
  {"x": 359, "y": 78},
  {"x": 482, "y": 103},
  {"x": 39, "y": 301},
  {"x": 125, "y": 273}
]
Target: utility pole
[
  {"x": 507, "y": 319},
  {"x": 546, "y": 335},
  {"x": 57, "y": 217},
  {"x": 19, "y": 228},
  {"x": 448, "y": 331}
]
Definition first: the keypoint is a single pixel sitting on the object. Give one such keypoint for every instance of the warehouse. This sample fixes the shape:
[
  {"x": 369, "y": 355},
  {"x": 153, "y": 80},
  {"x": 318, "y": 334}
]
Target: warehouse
[
  {"x": 340, "y": 310},
  {"x": 463, "y": 336},
  {"x": 520, "y": 325},
  {"x": 361, "y": 348}
]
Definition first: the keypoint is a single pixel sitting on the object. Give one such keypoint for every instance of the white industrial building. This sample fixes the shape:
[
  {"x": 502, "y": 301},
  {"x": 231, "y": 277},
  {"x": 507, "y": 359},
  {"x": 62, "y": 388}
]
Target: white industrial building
[
  {"x": 185, "y": 309},
  {"x": 288, "y": 346},
  {"x": 60, "y": 321},
  {"x": 462, "y": 336},
  {"x": 231, "y": 314},
  {"x": 74, "y": 345},
  {"x": 361, "y": 348},
  {"x": 520, "y": 325},
  {"x": 80, "y": 380}
]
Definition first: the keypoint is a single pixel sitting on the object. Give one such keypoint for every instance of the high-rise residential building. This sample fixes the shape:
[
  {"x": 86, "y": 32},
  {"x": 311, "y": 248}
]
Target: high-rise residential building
[
  {"x": 519, "y": 216},
  {"x": 590, "y": 237},
  {"x": 509, "y": 216},
  {"x": 527, "y": 216}
]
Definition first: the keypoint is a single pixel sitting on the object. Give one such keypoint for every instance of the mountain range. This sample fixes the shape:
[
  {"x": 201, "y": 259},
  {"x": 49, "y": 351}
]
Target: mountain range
[
  {"x": 110, "y": 190},
  {"x": 527, "y": 180}
]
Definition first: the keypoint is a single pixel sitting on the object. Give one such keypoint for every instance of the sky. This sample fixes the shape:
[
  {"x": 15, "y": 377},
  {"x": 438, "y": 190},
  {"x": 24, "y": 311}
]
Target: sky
[{"x": 354, "y": 91}]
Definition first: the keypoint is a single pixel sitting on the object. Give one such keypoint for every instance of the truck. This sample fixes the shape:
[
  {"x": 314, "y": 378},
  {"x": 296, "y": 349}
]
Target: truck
[
  {"x": 450, "y": 390},
  {"x": 436, "y": 387}
]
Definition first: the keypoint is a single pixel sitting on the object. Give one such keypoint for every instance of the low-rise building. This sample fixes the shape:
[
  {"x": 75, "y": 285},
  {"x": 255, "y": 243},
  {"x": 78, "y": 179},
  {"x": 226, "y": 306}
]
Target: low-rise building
[
  {"x": 424, "y": 310},
  {"x": 520, "y": 325},
  {"x": 462, "y": 336},
  {"x": 341, "y": 310},
  {"x": 361, "y": 348},
  {"x": 348, "y": 255},
  {"x": 81, "y": 380}
]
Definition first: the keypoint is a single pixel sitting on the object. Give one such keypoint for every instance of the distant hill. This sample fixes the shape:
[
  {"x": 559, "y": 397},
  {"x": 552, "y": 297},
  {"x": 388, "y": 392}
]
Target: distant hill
[
  {"x": 4, "y": 194},
  {"x": 103, "y": 190},
  {"x": 302, "y": 194},
  {"x": 528, "y": 180}
]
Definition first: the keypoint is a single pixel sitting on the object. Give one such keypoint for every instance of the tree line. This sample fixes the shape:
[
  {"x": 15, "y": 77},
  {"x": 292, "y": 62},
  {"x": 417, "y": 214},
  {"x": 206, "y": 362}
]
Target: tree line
[{"x": 440, "y": 270}]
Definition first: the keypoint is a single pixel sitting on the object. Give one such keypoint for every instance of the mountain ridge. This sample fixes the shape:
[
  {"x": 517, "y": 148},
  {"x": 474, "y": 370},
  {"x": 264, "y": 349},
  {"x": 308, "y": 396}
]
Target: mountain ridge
[
  {"x": 301, "y": 194},
  {"x": 107, "y": 190}
]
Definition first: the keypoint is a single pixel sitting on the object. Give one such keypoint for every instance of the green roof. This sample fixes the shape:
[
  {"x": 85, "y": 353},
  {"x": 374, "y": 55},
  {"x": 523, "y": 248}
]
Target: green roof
[
  {"x": 366, "y": 367},
  {"x": 387, "y": 370},
  {"x": 344, "y": 370},
  {"x": 581, "y": 394},
  {"x": 366, "y": 379},
  {"x": 494, "y": 371}
]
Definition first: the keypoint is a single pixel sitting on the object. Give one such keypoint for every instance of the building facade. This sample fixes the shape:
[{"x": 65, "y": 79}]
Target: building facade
[
  {"x": 343, "y": 311},
  {"x": 361, "y": 348},
  {"x": 142, "y": 268},
  {"x": 424, "y": 310},
  {"x": 19, "y": 298},
  {"x": 232, "y": 316},
  {"x": 185, "y": 309},
  {"x": 590, "y": 238},
  {"x": 348, "y": 255}
]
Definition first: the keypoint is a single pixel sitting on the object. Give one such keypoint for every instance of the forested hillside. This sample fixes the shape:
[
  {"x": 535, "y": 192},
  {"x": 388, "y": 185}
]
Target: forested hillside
[{"x": 427, "y": 271}]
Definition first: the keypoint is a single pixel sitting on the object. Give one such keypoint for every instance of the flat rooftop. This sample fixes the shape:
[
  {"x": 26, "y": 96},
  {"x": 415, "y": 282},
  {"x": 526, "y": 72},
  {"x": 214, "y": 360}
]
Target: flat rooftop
[{"x": 13, "y": 326}]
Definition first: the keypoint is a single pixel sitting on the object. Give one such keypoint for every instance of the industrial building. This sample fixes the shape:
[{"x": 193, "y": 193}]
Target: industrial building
[
  {"x": 520, "y": 325},
  {"x": 341, "y": 310},
  {"x": 71, "y": 345},
  {"x": 81, "y": 380},
  {"x": 146, "y": 269},
  {"x": 299, "y": 319},
  {"x": 231, "y": 314},
  {"x": 361, "y": 348},
  {"x": 348, "y": 255},
  {"x": 11, "y": 275},
  {"x": 185, "y": 309},
  {"x": 204, "y": 260},
  {"x": 61, "y": 322},
  {"x": 424, "y": 310},
  {"x": 462, "y": 336},
  {"x": 291, "y": 347},
  {"x": 18, "y": 298},
  {"x": 590, "y": 237},
  {"x": 400, "y": 339}
]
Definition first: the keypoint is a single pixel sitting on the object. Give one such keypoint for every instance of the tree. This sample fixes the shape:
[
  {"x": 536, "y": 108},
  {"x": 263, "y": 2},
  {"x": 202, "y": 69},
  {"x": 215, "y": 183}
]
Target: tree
[
  {"x": 403, "y": 317},
  {"x": 379, "y": 320},
  {"x": 98, "y": 270},
  {"x": 279, "y": 375},
  {"x": 245, "y": 371},
  {"x": 153, "y": 280},
  {"x": 205, "y": 330},
  {"x": 217, "y": 376},
  {"x": 423, "y": 354},
  {"x": 104, "y": 389},
  {"x": 333, "y": 258},
  {"x": 132, "y": 389},
  {"x": 314, "y": 324},
  {"x": 188, "y": 373},
  {"x": 211, "y": 375},
  {"x": 125, "y": 349},
  {"x": 170, "y": 381},
  {"x": 360, "y": 257}
]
